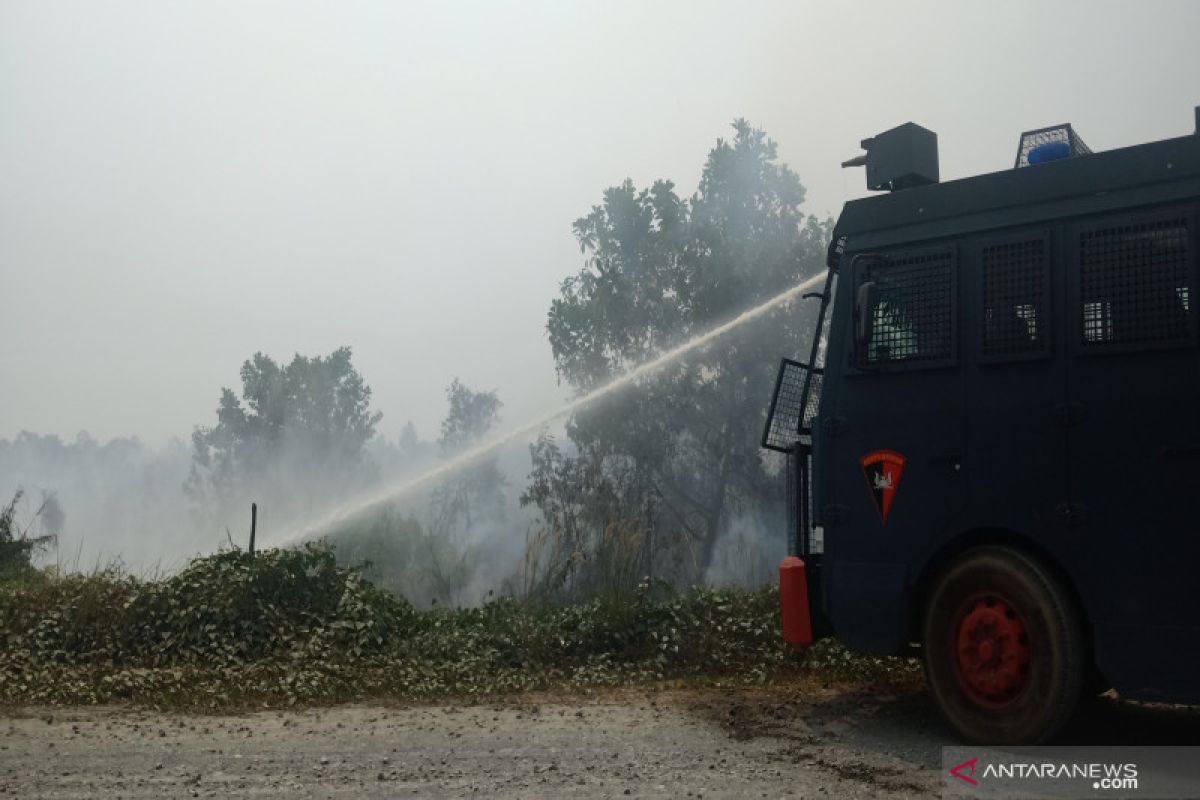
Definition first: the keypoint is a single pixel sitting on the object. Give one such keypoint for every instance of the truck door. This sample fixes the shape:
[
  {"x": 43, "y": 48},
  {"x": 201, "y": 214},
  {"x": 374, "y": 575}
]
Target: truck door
[
  {"x": 1016, "y": 458},
  {"x": 1134, "y": 443},
  {"x": 892, "y": 438}
]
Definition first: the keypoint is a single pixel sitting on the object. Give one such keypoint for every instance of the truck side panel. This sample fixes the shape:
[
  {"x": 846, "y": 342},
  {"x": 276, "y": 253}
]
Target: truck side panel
[
  {"x": 1089, "y": 453},
  {"x": 1133, "y": 378}
]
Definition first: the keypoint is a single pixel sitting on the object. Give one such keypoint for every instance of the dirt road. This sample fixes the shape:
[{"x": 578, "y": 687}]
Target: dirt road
[{"x": 807, "y": 741}]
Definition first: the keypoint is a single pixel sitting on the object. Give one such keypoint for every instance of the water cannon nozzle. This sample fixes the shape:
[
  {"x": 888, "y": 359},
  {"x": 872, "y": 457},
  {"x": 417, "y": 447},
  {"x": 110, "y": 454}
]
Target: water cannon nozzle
[{"x": 901, "y": 158}]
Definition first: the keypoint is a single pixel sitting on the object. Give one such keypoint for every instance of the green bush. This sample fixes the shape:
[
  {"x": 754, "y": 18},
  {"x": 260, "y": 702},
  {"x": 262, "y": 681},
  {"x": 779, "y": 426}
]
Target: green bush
[{"x": 292, "y": 626}]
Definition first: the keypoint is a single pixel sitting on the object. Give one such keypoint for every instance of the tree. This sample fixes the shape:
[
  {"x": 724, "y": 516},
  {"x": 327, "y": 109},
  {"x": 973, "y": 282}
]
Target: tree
[
  {"x": 409, "y": 441},
  {"x": 476, "y": 490},
  {"x": 435, "y": 557},
  {"x": 398, "y": 553},
  {"x": 658, "y": 271},
  {"x": 296, "y": 435},
  {"x": 595, "y": 526},
  {"x": 469, "y": 502}
]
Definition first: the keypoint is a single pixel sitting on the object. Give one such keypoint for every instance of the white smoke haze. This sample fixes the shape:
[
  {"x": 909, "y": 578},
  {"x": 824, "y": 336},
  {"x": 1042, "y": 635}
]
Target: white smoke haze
[
  {"x": 122, "y": 501},
  {"x": 125, "y": 502},
  {"x": 182, "y": 184},
  {"x": 413, "y": 551},
  {"x": 186, "y": 182},
  {"x": 367, "y": 502},
  {"x": 749, "y": 551}
]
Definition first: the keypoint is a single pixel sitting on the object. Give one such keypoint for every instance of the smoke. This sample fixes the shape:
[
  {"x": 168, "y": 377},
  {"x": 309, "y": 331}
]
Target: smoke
[
  {"x": 388, "y": 495},
  {"x": 419, "y": 547},
  {"x": 749, "y": 549},
  {"x": 124, "y": 501},
  {"x": 119, "y": 500},
  {"x": 486, "y": 556}
]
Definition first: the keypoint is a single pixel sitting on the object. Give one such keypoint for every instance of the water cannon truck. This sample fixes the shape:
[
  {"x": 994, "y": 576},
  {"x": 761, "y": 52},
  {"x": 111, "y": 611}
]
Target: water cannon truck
[{"x": 993, "y": 447}]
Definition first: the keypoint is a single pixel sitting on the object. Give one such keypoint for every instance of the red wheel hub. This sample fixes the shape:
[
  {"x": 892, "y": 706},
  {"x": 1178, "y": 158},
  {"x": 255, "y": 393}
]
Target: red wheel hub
[{"x": 991, "y": 651}]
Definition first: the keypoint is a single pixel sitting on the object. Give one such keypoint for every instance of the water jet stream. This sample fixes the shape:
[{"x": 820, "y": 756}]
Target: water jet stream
[{"x": 382, "y": 496}]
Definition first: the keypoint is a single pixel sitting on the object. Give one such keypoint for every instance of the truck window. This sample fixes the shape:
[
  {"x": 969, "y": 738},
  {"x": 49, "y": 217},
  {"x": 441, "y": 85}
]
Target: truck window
[
  {"x": 1136, "y": 284},
  {"x": 1016, "y": 299},
  {"x": 913, "y": 318}
]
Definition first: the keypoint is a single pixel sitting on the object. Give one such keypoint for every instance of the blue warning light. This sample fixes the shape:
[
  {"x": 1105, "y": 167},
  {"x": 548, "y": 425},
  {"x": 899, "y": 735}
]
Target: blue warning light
[{"x": 1050, "y": 151}]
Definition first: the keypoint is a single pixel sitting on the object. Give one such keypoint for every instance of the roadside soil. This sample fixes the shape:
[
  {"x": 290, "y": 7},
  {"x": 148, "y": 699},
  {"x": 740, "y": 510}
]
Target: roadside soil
[{"x": 805, "y": 740}]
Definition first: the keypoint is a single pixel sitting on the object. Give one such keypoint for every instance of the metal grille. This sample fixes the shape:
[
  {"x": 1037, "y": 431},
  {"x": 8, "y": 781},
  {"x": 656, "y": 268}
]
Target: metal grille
[
  {"x": 1135, "y": 284},
  {"x": 804, "y": 538},
  {"x": 812, "y": 403},
  {"x": 793, "y": 504},
  {"x": 913, "y": 318},
  {"x": 814, "y": 536},
  {"x": 1015, "y": 299},
  {"x": 797, "y": 397},
  {"x": 1065, "y": 134}
]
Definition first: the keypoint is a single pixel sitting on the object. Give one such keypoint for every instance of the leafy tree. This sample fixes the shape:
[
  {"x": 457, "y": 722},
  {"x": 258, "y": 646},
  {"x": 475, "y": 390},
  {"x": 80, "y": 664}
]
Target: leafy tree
[
  {"x": 296, "y": 435},
  {"x": 593, "y": 540},
  {"x": 476, "y": 490},
  {"x": 659, "y": 270},
  {"x": 470, "y": 500}
]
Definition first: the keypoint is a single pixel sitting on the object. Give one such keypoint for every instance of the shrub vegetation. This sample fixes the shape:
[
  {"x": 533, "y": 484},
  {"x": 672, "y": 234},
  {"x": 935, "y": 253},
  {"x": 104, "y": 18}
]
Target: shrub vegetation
[{"x": 292, "y": 626}]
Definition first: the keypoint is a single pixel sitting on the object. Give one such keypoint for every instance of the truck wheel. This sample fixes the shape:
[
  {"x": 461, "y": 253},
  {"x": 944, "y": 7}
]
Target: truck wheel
[{"x": 1004, "y": 649}]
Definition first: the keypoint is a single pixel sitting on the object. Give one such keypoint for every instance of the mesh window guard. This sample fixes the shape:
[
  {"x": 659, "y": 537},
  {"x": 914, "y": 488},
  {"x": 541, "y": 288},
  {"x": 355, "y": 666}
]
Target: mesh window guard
[
  {"x": 797, "y": 397},
  {"x": 1015, "y": 299},
  {"x": 1136, "y": 284},
  {"x": 913, "y": 317}
]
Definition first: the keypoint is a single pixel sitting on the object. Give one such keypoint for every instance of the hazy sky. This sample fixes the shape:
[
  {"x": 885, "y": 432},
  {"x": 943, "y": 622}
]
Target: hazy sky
[{"x": 182, "y": 184}]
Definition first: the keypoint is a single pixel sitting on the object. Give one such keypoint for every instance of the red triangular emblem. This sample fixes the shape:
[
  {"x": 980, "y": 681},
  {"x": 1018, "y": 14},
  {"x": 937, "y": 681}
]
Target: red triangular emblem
[{"x": 883, "y": 469}]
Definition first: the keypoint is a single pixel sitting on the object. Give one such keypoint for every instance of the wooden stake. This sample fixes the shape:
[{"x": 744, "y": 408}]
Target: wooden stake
[{"x": 253, "y": 525}]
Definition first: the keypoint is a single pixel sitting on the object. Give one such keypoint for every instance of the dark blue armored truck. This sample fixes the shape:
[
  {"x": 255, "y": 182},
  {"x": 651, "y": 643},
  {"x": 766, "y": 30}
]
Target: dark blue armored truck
[{"x": 994, "y": 445}]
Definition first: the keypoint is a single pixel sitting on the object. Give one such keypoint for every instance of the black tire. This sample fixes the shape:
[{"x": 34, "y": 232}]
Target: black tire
[{"x": 1005, "y": 655}]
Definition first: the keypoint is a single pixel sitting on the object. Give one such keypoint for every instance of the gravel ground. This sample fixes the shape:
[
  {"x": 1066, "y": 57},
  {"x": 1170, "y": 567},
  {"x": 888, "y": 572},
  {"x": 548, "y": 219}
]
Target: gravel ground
[{"x": 808, "y": 741}]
